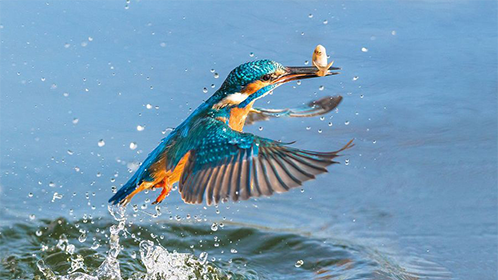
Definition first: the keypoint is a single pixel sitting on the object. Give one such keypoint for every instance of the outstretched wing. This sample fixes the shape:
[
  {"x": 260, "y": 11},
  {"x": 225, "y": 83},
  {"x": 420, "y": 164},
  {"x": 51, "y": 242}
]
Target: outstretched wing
[
  {"x": 237, "y": 166},
  {"x": 313, "y": 108}
]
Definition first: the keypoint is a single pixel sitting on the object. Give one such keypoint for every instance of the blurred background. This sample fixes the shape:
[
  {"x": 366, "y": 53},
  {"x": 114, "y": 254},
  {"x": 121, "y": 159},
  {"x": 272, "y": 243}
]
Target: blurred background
[{"x": 89, "y": 88}]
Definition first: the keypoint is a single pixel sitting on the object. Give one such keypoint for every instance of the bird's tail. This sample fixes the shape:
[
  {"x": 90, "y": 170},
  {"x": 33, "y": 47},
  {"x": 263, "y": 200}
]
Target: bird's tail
[
  {"x": 125, "y": 191},
  {"x": 141, "y": 180}
]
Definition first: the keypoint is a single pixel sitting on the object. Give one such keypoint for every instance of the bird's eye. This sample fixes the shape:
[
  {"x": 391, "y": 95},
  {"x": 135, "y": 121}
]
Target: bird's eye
[{"x": 266, "y": 77}]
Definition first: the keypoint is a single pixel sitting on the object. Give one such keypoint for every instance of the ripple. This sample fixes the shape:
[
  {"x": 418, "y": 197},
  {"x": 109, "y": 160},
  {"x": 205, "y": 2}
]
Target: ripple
[{"x": 188, "y": 251}]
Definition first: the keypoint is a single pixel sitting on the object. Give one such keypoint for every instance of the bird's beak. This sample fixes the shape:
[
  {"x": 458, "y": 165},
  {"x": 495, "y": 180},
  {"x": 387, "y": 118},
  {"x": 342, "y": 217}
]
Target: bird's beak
[{"x": 306, "y": 72}]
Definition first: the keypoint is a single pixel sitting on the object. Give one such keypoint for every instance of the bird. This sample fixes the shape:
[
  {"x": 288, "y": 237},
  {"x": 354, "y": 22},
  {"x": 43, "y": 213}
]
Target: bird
[{"x": 211, "y": 157}]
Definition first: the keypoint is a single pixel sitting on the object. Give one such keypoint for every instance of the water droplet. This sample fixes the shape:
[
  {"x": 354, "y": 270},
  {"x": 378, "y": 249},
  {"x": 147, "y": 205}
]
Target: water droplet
[
  {"x": 38, "y": 233},
  {"x": 69, "y": 152},
  {"x": 30, "y": 195},
  {"x": 163, "y": 44},
  {"x": 67, "y": 45},
  {"x": 51, "y": 184},
  {"x": 346, "y": 161},
  {"x": 32, "y": 217},
  {"x": 306, "y": 62},
  {"x": 346, "y": 122},
  {"x": 374, "y": 141},
  {"x": 361, "y": 96},
  {"x": 75, "y": 120},
  {"x": 310, "y": 15},
  {"x": 214, "y": 227},
  {"x": 82, "y": 237},
  {"x": 43, "y": 79},
  {"x": 251, "y": 54},
  {"x": 321, "y": 88},
  {"x": 101, "y": 143},
  {"x": 364, "y": 49},
  {"x": 70, "y": 248},
  {"x": 322, "y": 118},
  {"x": 90, "y": 39},
  {"x": 133, "y": 145},
  {"x": 260, "y": 128},
  {"x": 205, "y": 90},
  {"x": 393, "y": 32},
  {"x": 233, "y": 251},
  {"x": 298, "y": 82},
  {"x": 216, "y": 75},
  {"x": 148, "y": 106},
  {"x": 355, "y": 78},
  {"x": 140, "y": 127},
  {"x": 319, "y": 131},
  {"x": 95, "y": 245},
  {"x": 203, "y": 258},
  {"x": 308, "y": 127},
  {"x": 331, "y": 124},
  {"x": 299, "y": 263},
  {"x": 56, "y": 196},
  {"x": 325, "y": 22}
]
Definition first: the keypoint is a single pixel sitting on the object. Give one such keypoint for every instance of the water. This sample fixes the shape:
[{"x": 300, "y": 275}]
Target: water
[
  {"x": 415, "y": 199},
  {"x": 61, "y": 254}
]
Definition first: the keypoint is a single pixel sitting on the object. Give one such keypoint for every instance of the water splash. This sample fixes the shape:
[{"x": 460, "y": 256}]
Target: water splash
[
  {"x": 161, "y": 264},
  {"x": 158, "y": 261}
]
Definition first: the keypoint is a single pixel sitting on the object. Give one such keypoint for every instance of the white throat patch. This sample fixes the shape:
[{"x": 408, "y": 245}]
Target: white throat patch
[{"x": 234, "y": 98}]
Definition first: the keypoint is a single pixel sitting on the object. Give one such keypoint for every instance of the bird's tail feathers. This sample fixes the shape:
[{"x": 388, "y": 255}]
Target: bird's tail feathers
[{"x": 121, "y": 196}]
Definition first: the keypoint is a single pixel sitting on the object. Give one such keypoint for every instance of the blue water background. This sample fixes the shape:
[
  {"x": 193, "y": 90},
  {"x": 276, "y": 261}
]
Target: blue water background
[{"x": 421, "y": 183}]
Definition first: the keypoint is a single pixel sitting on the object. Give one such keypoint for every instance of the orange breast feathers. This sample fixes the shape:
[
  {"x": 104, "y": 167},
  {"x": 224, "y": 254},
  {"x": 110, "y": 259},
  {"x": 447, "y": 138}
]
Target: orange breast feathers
[
  {"x": 238, "y": 115},
  {"x": 162, "y": 179}
]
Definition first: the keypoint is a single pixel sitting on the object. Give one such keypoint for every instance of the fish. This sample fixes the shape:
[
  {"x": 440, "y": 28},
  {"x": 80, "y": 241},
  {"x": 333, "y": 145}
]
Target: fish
[{"x": 320, "y": 60}]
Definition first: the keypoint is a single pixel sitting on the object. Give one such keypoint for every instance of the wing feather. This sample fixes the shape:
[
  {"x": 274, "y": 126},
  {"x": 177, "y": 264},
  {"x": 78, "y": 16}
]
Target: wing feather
[
  {"x": 265, "y": 183},
  {"x": 237, "y": 166}
]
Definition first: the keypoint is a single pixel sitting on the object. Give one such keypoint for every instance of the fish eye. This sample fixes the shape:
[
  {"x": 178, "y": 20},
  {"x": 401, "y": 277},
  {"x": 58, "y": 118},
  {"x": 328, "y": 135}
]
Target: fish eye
[{"x": 266, "y": 77}]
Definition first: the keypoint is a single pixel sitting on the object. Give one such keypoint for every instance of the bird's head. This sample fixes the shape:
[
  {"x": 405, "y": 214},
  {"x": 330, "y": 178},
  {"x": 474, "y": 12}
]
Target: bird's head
[{"x": 253, "y": 80}]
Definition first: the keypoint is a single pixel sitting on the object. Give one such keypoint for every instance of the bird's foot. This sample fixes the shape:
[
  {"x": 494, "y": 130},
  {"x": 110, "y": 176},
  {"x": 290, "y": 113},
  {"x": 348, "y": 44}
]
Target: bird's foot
[{"x": 164, "y": 193}]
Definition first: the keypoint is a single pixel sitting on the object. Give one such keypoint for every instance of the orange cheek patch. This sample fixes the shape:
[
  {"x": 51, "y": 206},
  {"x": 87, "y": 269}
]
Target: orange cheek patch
[{"x": 254, "y": 86}]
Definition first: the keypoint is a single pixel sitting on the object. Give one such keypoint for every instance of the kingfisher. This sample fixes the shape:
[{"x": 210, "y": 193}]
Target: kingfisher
[{"x": 210, "y": 156}]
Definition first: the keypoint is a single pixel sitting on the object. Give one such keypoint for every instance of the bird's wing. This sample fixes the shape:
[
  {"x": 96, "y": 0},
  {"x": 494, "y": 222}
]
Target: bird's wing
[
  {"x": 313, "y": 108},
  {"x": 233, "y": 165}
]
